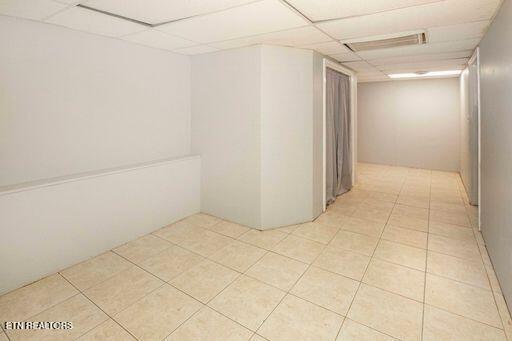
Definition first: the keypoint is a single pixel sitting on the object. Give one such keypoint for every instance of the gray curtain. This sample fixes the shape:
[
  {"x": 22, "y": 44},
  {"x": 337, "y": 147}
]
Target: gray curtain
[{"x": 338, "y": 165}]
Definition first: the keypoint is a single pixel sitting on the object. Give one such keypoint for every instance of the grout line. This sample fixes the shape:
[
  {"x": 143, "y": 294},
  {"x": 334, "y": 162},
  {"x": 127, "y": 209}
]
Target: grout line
[
  {"x": 367, "y": 266},
  {"x": 287, "y": 292},
  {"x": 426, "y": 263},
  {"x": 97, "y": 306}
]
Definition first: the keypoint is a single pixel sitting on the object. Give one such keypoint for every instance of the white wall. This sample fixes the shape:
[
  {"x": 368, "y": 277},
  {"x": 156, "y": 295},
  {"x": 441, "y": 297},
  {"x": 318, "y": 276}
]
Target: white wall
[
  {"x": 286, "y": 136},
  {"x": 72, "y": 102},
  {"x": 253, "y": 123},
  {"x": 226, "y": 132},
  {"x": 496, "y": 145},
  {"x": 48, "y": 227},
  {"x": 412, "y": 123},
  {"x": 73, "y": 107}
]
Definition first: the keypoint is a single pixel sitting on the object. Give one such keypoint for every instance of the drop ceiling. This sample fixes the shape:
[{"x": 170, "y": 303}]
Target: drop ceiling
[{"x": 453, "y": 28}]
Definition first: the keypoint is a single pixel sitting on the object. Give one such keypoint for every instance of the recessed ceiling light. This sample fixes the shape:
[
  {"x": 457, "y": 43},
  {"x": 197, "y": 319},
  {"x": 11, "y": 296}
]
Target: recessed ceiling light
[{"x": 425, "y": 74}]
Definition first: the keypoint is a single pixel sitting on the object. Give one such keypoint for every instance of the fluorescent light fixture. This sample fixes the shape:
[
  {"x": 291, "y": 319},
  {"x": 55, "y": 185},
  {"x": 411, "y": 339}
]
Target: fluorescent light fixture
[{"x": 425, "y": 74}]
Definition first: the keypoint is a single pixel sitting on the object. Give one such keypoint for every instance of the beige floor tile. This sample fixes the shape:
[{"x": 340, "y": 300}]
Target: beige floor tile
[
  {"x": 408, "y": 222},
  {"x": 247, "y": 301},
  {"x": 93, "y": 271},
  {"x": 107, "y": 331},
  {"x": 401, "y": 254},
  {"x": 301, "y": 249},
  {"x": 20, "y": 304},
  {"x": 196, "y": 239},
  {"x": 209, "y": 325},
  {"x": 256, "y": 337},
  {"x": 372, "y": 214},
  {"x": 158, "y": 314},
  {"x": 389, "y": 197},
  {"x": 387, "y": 312},
  {"x": 441, "y": 325},
  {"x": 326, "y": 289},
  {"x": 346, "y": 208},
  {"x": 122, "y": 289},
  {"x": 78, "y": 310},
  {"x": 468, "y": 271},
  {"x": 238, "y": 256},
  {"x": 287, "y": 229},
  {"x": 462, "y": 299},
  {"x": 205, "y": 280},
  {"x": 228, "y": 228},
  {"x": 171, "y": 262},
  {"x": 396, "y": 278},
  {"x": 363, "y": 226},
  {"x": 276, "y": 270},
  {"x": 504, "y": 314},
  {"x": 443, "y": 206},
  {"x": 264, "y": 239},
  {"x": 416, "y": 201},
  {"x": 201, "y": 220},
  {"x": 405, "y": 236},
  {"x": 411, "y": 211},
  {"x": 455, "y": 218},
  {"x": 142, "y": 248},
  {"x": 451, "y": 231},
  {"x": 178, "y": 231},
  {"x": 316, "y": 231},
  {"x": 333, "y": 218},
  {"x": 446, "y": 197},
  {"x": 353, "y": 331},
  {"x": 296, "y": 319},
  {"x": 355, "y": 242},
  {"x": 384, "y": 205},
  {"x": 343, "y": 262},
  {"x": 453, "y": 247}
]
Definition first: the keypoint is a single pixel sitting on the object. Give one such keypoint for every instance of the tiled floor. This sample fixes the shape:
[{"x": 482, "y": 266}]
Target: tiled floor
[{"x": 396, "y": 258}]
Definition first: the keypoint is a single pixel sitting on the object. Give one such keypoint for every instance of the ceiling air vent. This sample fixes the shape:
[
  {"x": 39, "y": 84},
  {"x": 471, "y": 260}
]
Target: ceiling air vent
[{"x": 411, "y": 39}]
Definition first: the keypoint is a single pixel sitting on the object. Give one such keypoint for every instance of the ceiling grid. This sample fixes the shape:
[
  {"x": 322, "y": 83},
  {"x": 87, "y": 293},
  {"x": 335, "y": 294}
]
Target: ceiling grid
[{"x": 453, "y": 28}]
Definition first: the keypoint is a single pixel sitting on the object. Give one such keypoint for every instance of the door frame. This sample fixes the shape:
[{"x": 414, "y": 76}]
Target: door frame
[{"x": 327, "y": 63}]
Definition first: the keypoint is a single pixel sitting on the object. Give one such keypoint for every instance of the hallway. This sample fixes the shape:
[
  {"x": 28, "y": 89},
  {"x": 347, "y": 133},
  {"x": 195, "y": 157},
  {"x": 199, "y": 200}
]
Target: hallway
[{"x": 398, "y": 257}]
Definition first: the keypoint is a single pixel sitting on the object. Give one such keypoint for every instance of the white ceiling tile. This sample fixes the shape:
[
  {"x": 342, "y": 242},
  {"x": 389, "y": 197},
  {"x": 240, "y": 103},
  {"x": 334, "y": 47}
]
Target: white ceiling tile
[
  {"x": 427, "y": 68},
  {"x": 422, "y": 58},
  {"x": 30, "y": 9},
  {"x": 157, "y": 39},
  {"x": 252, "y": 19},
  {"x": 345, "y": 57},
  {"x": 447, "y": 12},
  {"x": 452, "y": 46},
  {"x": 198, "y": 49},
  {"x": 424, "y": 65},
  {"x": 455, "y": 32},
  {"x": 330, "y": 47},
  {"x": 93, "y": 22},
  {"x": 70, "y": 2},
  {"x": 330, "y": 9},
  {"x": 371, "y": 80},
  {"x": 370, "y": 74},
  {"x": 361, "y": 66},
  {"x": 159, "y": 11},
  {"x": 295, "y": 37}
]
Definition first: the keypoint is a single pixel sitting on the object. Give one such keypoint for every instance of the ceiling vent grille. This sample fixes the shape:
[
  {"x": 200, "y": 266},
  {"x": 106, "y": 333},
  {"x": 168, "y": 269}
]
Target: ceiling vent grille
[{"x": 411, "y": 39}]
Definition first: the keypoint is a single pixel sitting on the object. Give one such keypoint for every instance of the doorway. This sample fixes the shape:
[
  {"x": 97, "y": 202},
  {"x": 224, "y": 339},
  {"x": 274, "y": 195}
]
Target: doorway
[
  {"x": 470, "y": 129},
  {"x": 339, "y": 133}
]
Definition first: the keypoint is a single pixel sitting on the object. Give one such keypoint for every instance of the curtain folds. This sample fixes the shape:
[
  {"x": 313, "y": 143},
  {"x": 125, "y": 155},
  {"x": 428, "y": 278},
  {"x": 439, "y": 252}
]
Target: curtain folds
[{"x": 338, "y": 149}]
